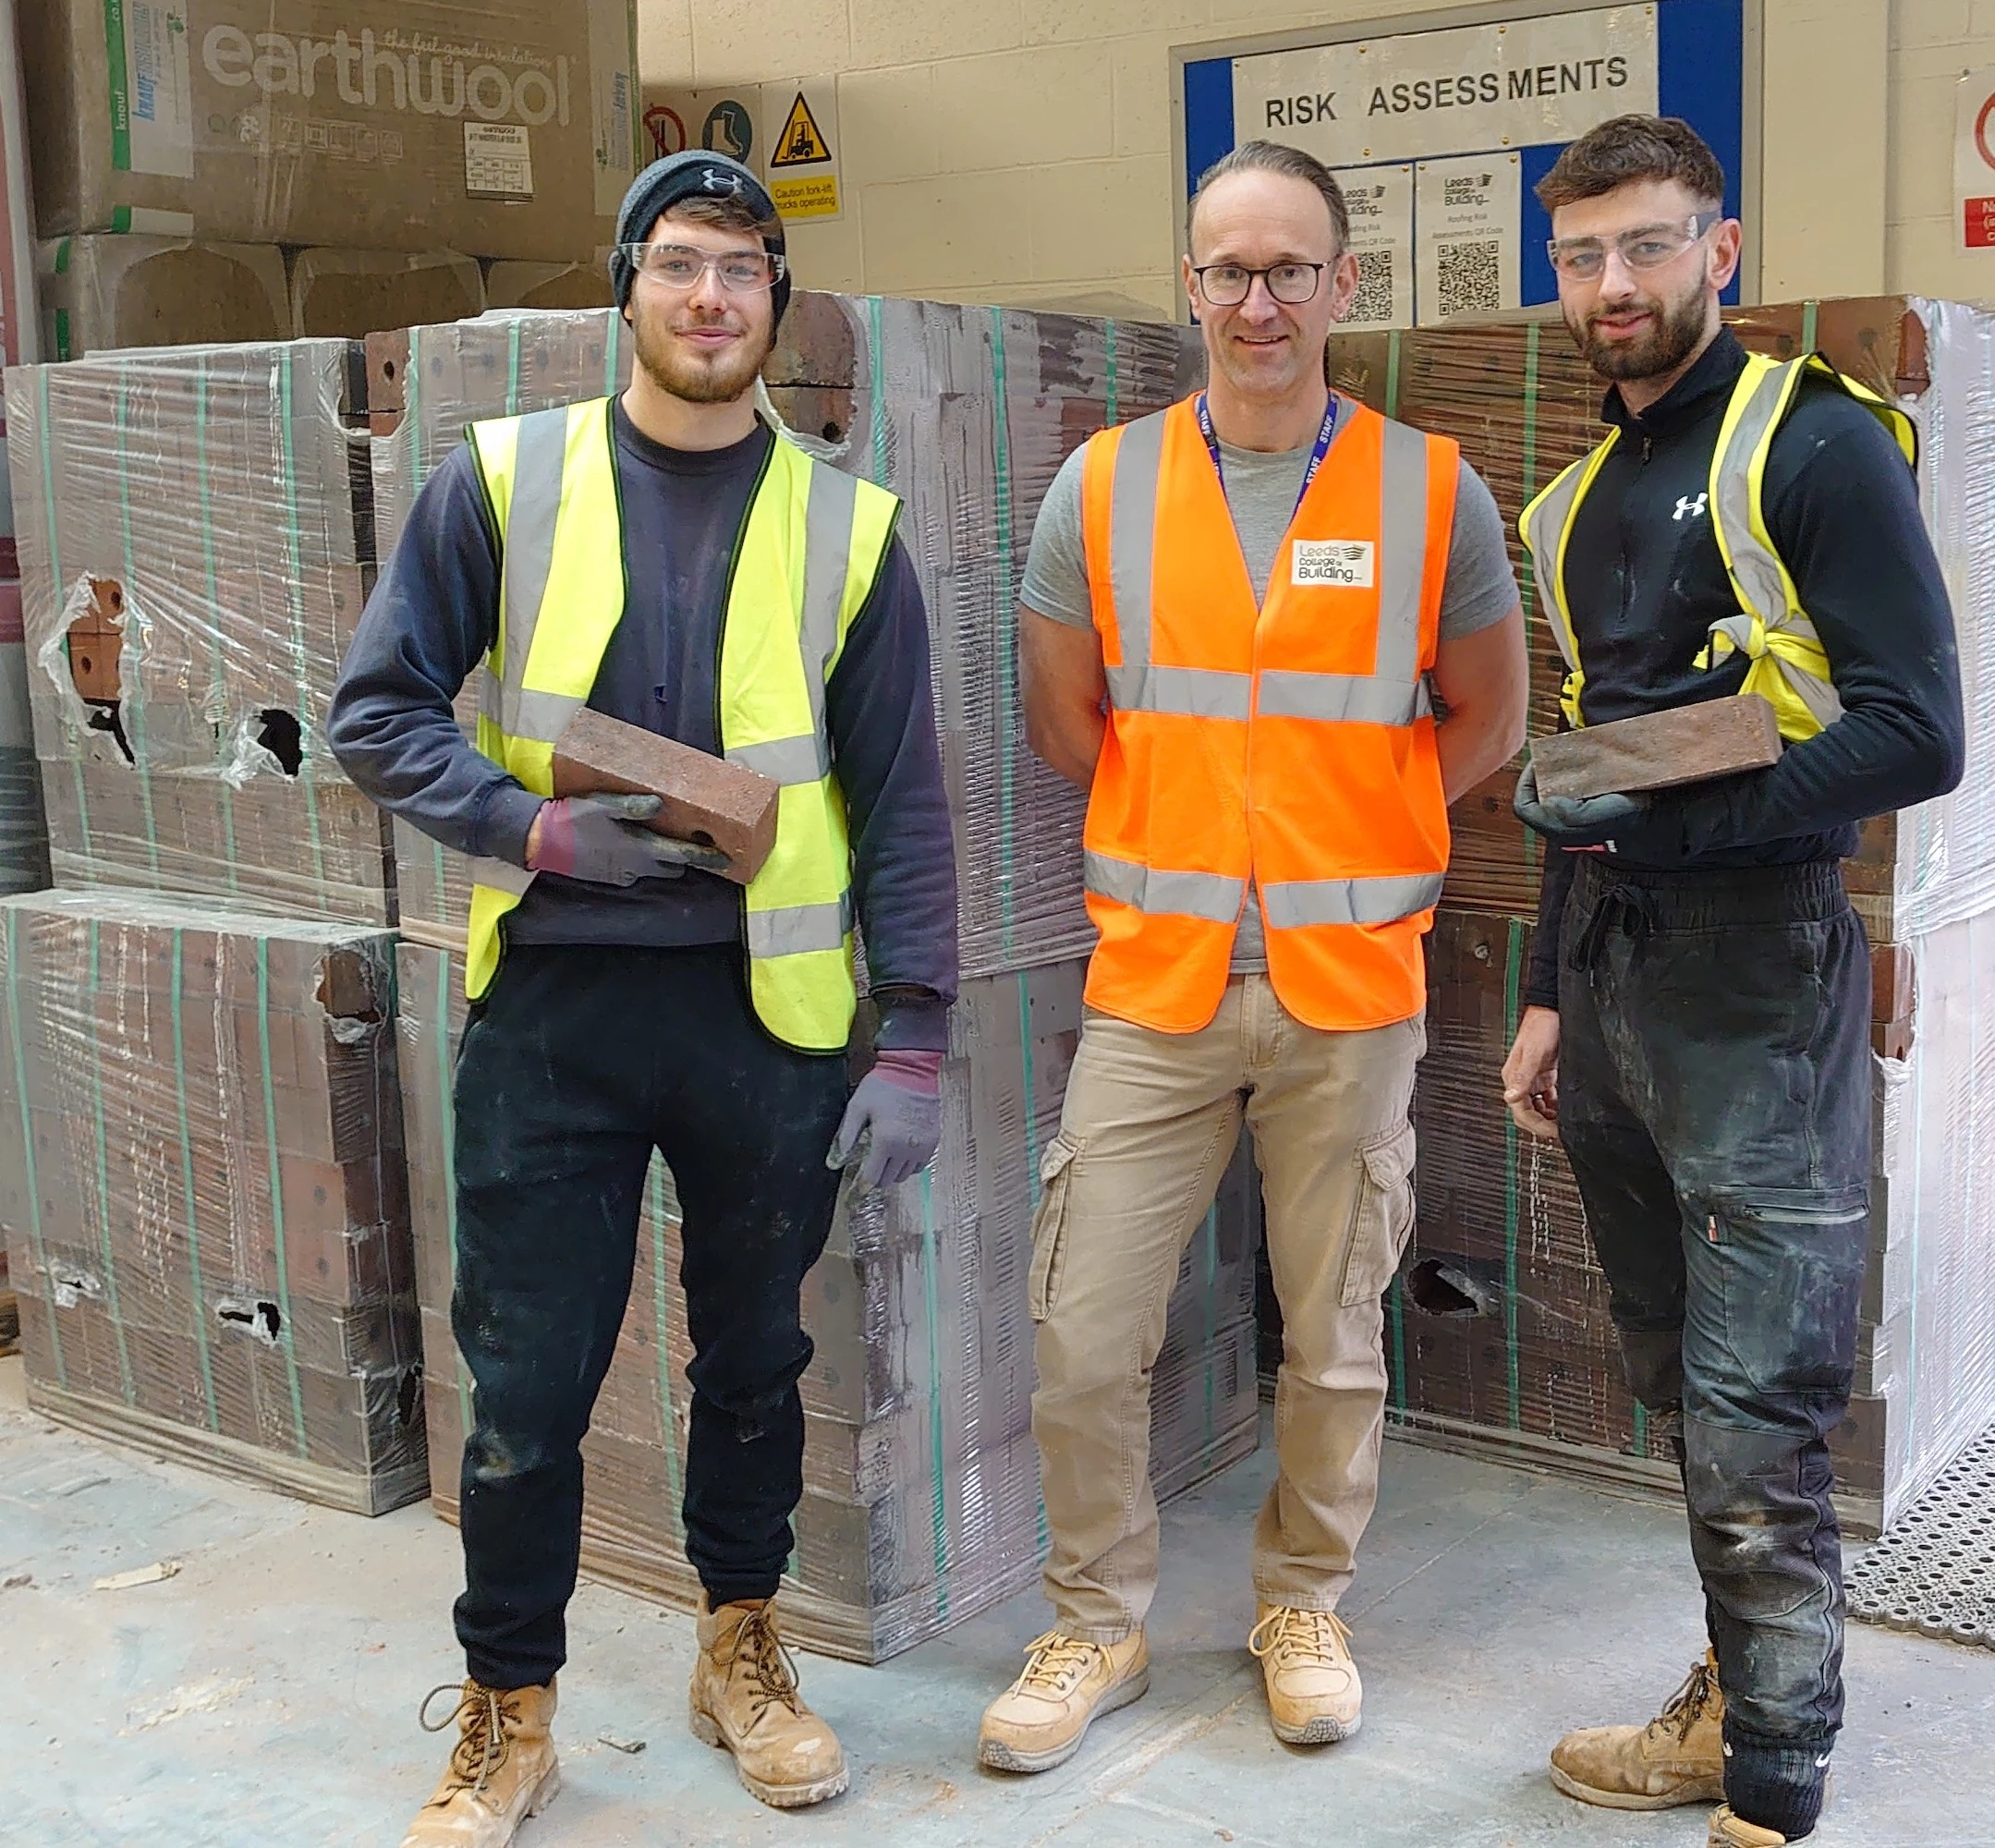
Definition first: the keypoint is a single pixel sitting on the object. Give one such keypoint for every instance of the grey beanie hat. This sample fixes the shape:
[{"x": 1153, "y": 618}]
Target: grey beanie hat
[{"x": 695, "y": 173}]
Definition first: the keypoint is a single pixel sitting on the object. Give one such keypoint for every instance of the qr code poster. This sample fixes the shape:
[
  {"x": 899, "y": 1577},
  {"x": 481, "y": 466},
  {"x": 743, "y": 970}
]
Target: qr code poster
[
  {"x": 1380, "y": 204},
  {"x": 1468, "y": 212}
]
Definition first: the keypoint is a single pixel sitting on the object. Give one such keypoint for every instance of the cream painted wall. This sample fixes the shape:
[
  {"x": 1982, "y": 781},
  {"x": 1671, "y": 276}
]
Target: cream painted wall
[{"x": 1019, "y": 150}]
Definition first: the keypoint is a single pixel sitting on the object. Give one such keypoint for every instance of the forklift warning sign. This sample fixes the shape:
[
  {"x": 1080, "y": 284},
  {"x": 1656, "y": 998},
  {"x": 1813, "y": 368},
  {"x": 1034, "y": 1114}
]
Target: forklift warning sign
[{"x": 803, "y": 163}]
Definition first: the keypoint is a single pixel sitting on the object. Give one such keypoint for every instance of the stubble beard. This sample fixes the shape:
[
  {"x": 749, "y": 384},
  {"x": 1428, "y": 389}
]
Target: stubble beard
[
  {"x": 720, "y": 379},
  {"x": 1679, "y": 326}
]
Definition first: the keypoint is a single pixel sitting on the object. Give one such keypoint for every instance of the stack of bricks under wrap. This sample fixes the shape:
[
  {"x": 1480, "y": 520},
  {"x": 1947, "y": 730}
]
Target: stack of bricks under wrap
[
  {"x": 921, "y": 1503},
  {"x": 1525, "y": 1361},
  {"x": 214, "y": 1255},
  {"x": 201, "y": 1176}
]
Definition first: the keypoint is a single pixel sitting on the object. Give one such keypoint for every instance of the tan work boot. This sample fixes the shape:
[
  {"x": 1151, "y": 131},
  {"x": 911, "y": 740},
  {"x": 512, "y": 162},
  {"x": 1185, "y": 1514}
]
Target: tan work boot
[
  {"x": 502, "y": 1770},
  {"x": 1733, "y": 1831},
  {"x": 1039, "y": 1720},
  {"x": 1678, "y": 1757},
  {"x": 1314, "y": 1694},
  {"x": 744, "y": 1700}
]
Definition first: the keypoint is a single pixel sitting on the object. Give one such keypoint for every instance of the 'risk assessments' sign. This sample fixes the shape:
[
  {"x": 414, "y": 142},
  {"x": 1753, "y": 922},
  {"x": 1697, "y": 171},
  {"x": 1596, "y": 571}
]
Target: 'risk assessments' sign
[
  {"x": 1439, "y": 135},
  {"x": 1477, "y": 87}
]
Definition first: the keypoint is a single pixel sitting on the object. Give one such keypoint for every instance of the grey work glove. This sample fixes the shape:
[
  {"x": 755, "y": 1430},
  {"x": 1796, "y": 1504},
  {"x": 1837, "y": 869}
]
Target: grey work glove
[
  {"x": 894, "y": 1119},
  {"x": 602, "y": 839},
  {"x": 1579, "y": 821}
]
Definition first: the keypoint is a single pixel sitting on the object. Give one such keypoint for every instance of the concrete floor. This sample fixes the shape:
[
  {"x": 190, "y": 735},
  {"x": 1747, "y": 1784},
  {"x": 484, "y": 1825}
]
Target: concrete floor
[{"x": 267, "y": 1692}]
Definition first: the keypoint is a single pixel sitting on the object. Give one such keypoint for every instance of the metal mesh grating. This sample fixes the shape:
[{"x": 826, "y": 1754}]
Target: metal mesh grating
[{"x": 1935, "y": 1571}]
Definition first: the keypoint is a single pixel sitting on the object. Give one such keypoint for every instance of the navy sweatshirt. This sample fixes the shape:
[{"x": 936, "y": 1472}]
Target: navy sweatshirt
[
  {"x": 1646, "y": 580},
  {"x": 432, "y": 619}
]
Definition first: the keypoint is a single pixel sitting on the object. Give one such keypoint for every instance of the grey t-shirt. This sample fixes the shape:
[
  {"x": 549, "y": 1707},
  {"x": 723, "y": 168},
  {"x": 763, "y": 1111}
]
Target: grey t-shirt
[{"x": 1479, "y": 588}]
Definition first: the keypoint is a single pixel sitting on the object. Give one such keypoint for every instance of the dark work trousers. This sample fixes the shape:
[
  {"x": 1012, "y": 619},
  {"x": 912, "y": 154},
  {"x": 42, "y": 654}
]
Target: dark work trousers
[
  {"x": 580, "y": 1062},
  {"x": 1715, "y": 1098}
]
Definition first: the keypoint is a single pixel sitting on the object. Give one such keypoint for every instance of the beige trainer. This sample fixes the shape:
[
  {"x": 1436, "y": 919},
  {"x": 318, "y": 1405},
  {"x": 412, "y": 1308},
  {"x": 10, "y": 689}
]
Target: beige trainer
[
  {"x": 1314, "y": 1695},
  {"x": 1678, "y": 1757},
  {"x": 1039, "y": 1720},
  {"x": 745, "y": 1700},
  {"x": 502, "y": 1771},
  {"x": 1733, "y": 1831}
]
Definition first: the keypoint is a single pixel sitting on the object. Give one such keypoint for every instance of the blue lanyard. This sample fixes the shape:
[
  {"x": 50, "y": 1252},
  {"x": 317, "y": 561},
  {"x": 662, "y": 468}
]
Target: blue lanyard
[{"x": 1316, "y": 456}]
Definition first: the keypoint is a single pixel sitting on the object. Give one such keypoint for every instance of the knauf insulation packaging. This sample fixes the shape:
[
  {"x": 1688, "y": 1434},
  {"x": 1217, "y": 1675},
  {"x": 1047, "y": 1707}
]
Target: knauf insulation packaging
[{"x": 921, "y": 1500}]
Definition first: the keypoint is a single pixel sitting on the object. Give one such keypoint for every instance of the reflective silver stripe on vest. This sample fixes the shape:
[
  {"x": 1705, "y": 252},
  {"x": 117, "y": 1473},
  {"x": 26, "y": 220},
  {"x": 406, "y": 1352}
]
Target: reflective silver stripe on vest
[
  {"x": 796, "y": 929},
  {"x": 1210, "y": 895},
  {"x": 539, "y": 453},
  {"x": 539, "y": 718},
  {"x": 1395, "y": 693},
  {"x": 1293, "y": 905},
  {"x": 502, "y": 875},
  {"x": 1542, "y": 527},
  {"x": 1757, "y": 569},
  {"x": 790, "y": 762},
  {"x": 828, "y": 515}
]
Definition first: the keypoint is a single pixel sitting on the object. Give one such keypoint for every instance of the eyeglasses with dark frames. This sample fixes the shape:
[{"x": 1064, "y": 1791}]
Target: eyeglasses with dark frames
[{"x": 1228, "y": 284}]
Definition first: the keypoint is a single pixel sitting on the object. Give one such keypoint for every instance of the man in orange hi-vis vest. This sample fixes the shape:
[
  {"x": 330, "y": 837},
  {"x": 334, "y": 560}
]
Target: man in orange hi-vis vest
[{"x": 1273, "y": 634}]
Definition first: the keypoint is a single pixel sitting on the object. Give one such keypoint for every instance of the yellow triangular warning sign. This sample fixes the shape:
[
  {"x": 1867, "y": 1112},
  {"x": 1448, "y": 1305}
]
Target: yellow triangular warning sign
[{"x": 801, "y": 142}]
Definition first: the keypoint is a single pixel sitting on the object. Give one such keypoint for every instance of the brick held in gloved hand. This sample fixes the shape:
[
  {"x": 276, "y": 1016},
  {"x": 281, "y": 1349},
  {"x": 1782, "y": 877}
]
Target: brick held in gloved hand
[
  {"x": 703, "y": 799},
  {"x": 1660, "y": 750}
]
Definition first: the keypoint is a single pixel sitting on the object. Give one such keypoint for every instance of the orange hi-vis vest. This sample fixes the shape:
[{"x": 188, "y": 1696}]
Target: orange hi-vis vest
[{"x": 1292, "y": 744}]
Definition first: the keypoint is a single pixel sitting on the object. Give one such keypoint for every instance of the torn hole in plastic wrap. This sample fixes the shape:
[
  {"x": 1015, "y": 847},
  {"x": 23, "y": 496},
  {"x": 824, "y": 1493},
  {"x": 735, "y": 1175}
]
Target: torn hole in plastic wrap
[
  {"x": 68, "y": 1286},
  {"x": 829, "y": 443},
  {"x": 259, "y": 1318},
  {"x": 93, "y": 653},
  {"x": 267, "y": 742}
]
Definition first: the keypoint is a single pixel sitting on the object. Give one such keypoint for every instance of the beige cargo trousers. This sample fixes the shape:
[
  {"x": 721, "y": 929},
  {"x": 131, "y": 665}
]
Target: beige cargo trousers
[{"x": 1150, "y": 1123}]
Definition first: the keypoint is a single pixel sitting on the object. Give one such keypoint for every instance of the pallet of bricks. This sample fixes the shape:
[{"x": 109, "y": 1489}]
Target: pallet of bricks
[
  {"x": 921, "y": 1502},
  {"x": 230, "y": 170},
  {"x": 1498, "y": 1332},
  {"x": 201, "y": 1179}
]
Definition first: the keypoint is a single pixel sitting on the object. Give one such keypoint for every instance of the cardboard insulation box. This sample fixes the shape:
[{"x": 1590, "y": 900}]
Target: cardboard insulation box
[
  {"x": 500, "y": 127},
  {"x": 203, "y": 1194},
  {"x": 133, "y": 291},
  {"x": 1498, "y": 1330},
  {"x": 196, "y": 542},
  {"x": 922, "y": 1502}
]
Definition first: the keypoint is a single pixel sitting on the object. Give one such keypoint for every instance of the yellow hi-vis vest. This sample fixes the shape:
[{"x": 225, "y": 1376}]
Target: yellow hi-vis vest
[
  {"x": 808, "y": 556},
  {"x": 1788, "y": 664}
]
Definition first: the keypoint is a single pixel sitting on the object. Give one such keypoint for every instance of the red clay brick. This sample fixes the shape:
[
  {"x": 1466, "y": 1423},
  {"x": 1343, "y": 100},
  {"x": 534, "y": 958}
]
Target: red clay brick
[{"x": 1660, "y": 750}]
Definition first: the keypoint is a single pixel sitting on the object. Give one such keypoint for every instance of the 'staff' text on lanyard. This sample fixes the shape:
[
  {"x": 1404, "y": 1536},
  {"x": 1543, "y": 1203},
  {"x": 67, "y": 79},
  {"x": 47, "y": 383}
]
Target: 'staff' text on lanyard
[{"x": 1316, "y": 456}]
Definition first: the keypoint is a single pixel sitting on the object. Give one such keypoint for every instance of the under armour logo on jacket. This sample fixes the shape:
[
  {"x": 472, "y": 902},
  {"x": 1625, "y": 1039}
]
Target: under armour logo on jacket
[{"x": 1687, "y": 508}]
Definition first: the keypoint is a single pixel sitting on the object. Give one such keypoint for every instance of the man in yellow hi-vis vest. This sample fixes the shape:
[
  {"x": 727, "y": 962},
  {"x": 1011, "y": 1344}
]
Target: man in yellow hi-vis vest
[
  {"x": 1699, "y": 1032},
  {"x": 664, "y": 558}
]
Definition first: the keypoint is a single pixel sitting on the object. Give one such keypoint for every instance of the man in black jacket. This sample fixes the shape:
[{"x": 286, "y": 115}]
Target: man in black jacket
[{"x": 1697, "y": 1033}]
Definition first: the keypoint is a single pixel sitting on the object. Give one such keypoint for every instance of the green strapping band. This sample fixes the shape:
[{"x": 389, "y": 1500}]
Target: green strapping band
[
  {"x": 1391, "y": 374},
  {"x": 932, "y": 1302},
  {"x": 1531, "y": 848},
  {"x": 1007, "y": 621},
  {"x": 1512, "y": 965},
  {"x": 295, "y": 552},
  {"x": 1113, "y": 404},
  {"x": 63, "y": 349},
  {"x": 45, "y": 1280},
  {"x": 878, "y": 389},
  {"x": 660, "y": 1303},
  {"x": 186, "y": 1193},
  {"x": 1811, "y": 313},
  {"x": 1641, "y": 1428},
  {"x": 104, "y": 1182},
  {"x": 55, "y": 571},
  {"x": 133, "y": 700},
  {"x": 216, "y": 666},
  {"x": 114, "y": 45},
  {"x": 277, "y": 1194},
  {"x": 512, "y": 367},
  {"x": 446, "y": 1096},
  {"x": 1396, "y": 1304},
  {"x": 610, "y": 349}
]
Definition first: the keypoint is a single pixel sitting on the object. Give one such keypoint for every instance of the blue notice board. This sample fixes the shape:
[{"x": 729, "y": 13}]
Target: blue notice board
[{"x": 1409, "y": 95}]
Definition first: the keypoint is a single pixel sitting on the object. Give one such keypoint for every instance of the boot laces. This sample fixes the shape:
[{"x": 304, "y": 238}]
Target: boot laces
[
  {"x": 1054, "y": 1663},
  {"x": 482, "y": 1742},
  {"x": 1688, "y": 1704},
  {"x": 771, "y": 1669},
  {"x": 1301, "y": 1638}
]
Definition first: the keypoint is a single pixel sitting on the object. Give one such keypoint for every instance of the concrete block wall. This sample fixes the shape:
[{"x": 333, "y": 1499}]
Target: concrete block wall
[{"x": 1020, "y": 150}]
